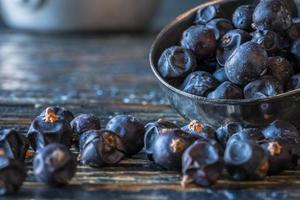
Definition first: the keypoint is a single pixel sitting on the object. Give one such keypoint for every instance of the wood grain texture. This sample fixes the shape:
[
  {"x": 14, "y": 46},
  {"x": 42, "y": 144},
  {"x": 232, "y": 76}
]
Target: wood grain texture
[{"x": 105, "y": 75}]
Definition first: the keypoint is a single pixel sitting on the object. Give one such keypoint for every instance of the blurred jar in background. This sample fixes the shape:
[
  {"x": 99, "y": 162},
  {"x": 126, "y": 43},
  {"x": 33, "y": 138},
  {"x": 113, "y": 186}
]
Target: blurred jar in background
[{"x": 78, "y": 15}]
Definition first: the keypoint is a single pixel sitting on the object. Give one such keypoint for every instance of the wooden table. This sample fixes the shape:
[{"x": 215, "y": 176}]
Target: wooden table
[{"x": 105, "y": 75}]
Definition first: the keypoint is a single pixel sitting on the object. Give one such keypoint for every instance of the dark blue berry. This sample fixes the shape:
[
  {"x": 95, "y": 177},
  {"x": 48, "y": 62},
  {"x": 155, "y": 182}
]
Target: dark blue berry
[
  {"x": 13, "y": 144},
  {"x": 246, "y": 160},
  {"x": 266, "y": 86},
  {"x": 61, "y": 112},
  {"x": 201, "y": 40},
  {"x": 242, "y": 17},
  {"x": 224, "y": 132},
  {"x": 131, "y": 131},
  {"x": 201, "y": 130},
  {"x": 176, "y": 62},
  {"x": 220, "y": 75},
  {"x": 226, "y": 90},
  {"x": 201, "y": 164},
  {"x": 279, "y": 155},
  {"x": 199, "y": 83},
  {"x": 152, "y": 131},
  {"x": 280, "y": 129},
  {"x": 247, "y": 134},
  {"x": 295, "y": 50},
  {"x": 293, "y": 83},
  {"x": 12, "y": 175},
  {"x": 230, "y": 42},
  {"x": 102, "y": 148},
  {"x": 272, "y": 15},
  {"x": 271, "y": 41},
  {"x": 54, "y": 165},
  {"x": 206, "y": 14},
  {"x": 49, "y": 128},
  {"x": 280, "y": 68},
  {"x": 220, "y": 26},
  {"x": 83, "y": 123},
  {"x": 247, "y": 63},
  {"x": 169, "y": 147},
  {"x": 294, "y": 30}
]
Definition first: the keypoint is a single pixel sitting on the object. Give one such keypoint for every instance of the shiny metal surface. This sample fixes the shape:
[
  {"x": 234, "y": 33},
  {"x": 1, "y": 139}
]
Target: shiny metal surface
[{"x": 216, "y": 112}]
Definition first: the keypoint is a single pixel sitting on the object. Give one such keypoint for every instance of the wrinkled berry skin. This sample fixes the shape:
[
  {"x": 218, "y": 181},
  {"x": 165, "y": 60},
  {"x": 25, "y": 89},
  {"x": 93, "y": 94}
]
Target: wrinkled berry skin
[
  {"x": 131, "y": 131},
  {"x": 152, "y": 131},
  {"x": 280, "y": 68},
  {"x": 12, "y": 175},
  {"x": 266, "y": 86},
  {"x": 269, "y": 40},
  {"x": 169, "y": 147},
  {"x": 196, "y": 128},
  {"x": 42, "y": 133},
  {"x": 293, "y": 83},
  {"x": 279, "y": 155},
  {"x": 201, "y": 164},
  {"x": 295, "y": 50},
  {"x": 199, "y": 83},
  {"x": 13, "y": 144},
  {"x": 176, "y": 62},
  {"x": 102, "y": 148},
  {"x": 242, "y": 17},
  {"x": 83, "y": 123},
  {"x": 230, "y": 42},
  {"x": 220, "y": 26},
  {"x": 61, "y": 112},
  {"x": 54, "y": 165},
  {"x": 226, "y": 90},
  {"x": 206, "y": 14},
  {"x": 272, "y": 15},
  {"x": 247, "y": 134},
  {"x": 247, "y": 63},
  {"x": 246, "y": 160},
  {"x": 220, "y": 75},
  {"x": 201, "y": 40},
  {"x": 294, "y": 30},
  {"x": 224, "y": 132}
]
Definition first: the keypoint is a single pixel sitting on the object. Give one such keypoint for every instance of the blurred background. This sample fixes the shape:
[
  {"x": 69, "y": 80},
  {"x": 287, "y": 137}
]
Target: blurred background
[{"x": 104, "y": 15}]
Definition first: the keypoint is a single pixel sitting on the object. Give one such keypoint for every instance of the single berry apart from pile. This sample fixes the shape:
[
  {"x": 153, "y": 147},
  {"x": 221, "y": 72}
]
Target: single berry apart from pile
[
  {"x": 201, "y": 40},
  {"x": 196, "y": 128},
  {"x": 131, "y": 131},
  {"x": 246, "y": 160},
  {"x": 60, "y": 112},
  {"x": 226, "y": 90},
  {"x": 176, "y": 62},
  {"x": 247, "y": 63},
  {"x": 54, "y": 165},
  {"x": 242, "y": 17},
  {"x": 169, "y": 147},
  {"x": 102, "y": 148},
  {"x": 230, "y": 42},
  {"x": 266, "y": 86},
  {"x": 13, "y": 144},
  {"x": 279, "y": 155},
  {"x": 12, "y": 175},
  {"x": 49, "y": 128},
  {"x": 224, "y": 132},
  {"x": 152, "y": 131},
  {"x": 199, "y": 83},
  {"x": 201, "y": 165},
  {"x": 83, "y": 123},
  {"x": 280, "y": 68},
  {"x": 272, "y": 15}
]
